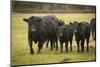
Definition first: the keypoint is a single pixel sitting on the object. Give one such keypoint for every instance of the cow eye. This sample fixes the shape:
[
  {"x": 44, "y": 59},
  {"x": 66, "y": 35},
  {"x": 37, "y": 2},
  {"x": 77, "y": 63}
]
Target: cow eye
[{"x": 30, "y": 21}]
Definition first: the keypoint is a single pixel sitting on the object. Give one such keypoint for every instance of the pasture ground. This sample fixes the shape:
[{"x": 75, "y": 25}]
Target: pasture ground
[{"x": 20, "y": 50}]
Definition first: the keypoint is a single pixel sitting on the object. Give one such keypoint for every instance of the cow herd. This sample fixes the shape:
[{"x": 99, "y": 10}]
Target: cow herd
[{"x": 49, "y": 28}]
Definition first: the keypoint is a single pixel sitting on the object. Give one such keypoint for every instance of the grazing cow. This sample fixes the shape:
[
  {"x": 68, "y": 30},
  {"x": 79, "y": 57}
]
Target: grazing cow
[
  {"x": 82, "y": 33},
  {"x": 93, "y": 28},
  {"x": 65, "y": 36},
  {"x": 40, "y": 29}
]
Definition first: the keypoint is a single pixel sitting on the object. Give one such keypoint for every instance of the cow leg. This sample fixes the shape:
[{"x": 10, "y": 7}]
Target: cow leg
[
  {"x": 66, "y": 45},
  {"x": 87, "y": 44},
  {"x": 82, "y": 45},
  {"x": 56, "y": 44},
  {"x": 51, "y": 41},
  {"x": 40, "y": 45},
  {"x": 94, "y": 35},
  {"x": 30, "y": 45},
  {"x": 77, "y": 46},
  {"x": 47, "y": 43},
  {"x": 61, "y": 46},
  {"x": 70, "y": 45}
]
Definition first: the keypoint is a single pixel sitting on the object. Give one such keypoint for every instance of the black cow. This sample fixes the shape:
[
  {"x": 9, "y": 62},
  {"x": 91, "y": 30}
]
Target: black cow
[
  {"x": 40, "y": 29},
  {"x": 93, "y": 28},
  {"x": 82, "y": 33},
  {"x": 60, "y": 23},
  {"x": 65, "y": 36}
]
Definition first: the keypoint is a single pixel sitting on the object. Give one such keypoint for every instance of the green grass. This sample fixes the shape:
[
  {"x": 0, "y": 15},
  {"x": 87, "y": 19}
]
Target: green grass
[{"x": 20, "y": 48}]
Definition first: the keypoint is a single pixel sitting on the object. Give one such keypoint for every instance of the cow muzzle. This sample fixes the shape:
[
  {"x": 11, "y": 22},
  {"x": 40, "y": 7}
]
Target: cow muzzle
[
  {"x": 33, "y": 30},
  {"x": 61, "y": 34}
]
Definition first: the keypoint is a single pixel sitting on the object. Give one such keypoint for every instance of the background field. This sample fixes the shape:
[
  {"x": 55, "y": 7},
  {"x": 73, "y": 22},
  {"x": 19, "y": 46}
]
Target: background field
[{"x": 20, "y": 48}]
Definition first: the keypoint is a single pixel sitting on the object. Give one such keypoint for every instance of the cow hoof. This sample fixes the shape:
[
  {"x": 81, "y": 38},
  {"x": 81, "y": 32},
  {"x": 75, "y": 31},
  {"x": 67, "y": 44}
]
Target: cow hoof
[
  {"x": 82, "y": 51},
  {"x": 94, "y": 39},
  {"x": 66, "y": 51},
  {"x": 57, "y": 49},
  {"x": 38, "y": 52},
  {"x": 32, "y": 53},
  {"x": 87, "y": 50},
  {"x": 78, "y": 51},
  {"x": 51, "y": 49},
  {"x": 46, "y": 46},
  {"x": 61, "y": 51}
]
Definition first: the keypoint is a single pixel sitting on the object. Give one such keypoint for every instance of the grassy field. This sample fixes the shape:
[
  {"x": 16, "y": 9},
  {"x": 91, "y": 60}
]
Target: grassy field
[{"x": 20, "y": 48}]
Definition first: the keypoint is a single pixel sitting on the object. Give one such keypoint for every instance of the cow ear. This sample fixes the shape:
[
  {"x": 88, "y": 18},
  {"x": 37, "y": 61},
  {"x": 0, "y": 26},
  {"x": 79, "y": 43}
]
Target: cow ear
[
  {"x": 71, "y": 23},
  {"x": 26, "y": 20},
  {"x": 75, "y": 22},
  {"x": 79, "y": 24}
]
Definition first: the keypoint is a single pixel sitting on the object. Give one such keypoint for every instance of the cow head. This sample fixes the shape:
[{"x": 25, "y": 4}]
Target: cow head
[
  {"x": 71, "y": 26},
  {"x": 75, "y": 26},
  {"x": 61, "y": 30},
  {"x": 33, "y": 23},
  {"x": 61, "y": 22}
]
